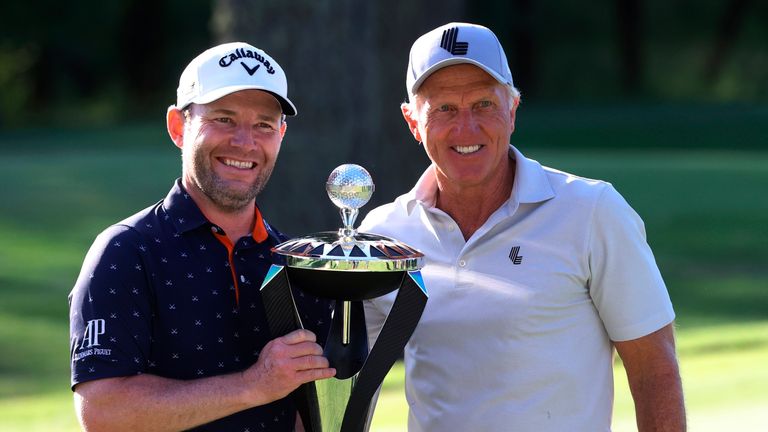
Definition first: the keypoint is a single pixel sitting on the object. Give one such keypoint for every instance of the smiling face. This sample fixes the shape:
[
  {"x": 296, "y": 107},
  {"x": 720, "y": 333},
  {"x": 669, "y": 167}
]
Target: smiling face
[
  {"x": 465, "y": 118},
  {"x": 229, "y": 147}
]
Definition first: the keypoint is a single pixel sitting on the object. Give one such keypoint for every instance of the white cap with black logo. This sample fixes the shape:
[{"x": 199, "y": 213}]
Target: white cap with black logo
[
  {"x": 229, "y": 68},
  {"x": 456, "y": 43}
]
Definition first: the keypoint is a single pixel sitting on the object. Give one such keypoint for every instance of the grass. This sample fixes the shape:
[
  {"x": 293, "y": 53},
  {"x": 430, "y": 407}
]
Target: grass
[{"x": 705, "y": 213}]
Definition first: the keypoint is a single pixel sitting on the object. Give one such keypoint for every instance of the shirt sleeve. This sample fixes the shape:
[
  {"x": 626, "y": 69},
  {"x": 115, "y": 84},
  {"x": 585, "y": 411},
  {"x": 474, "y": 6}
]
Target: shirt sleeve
[
  {"x": 625, "y": 285},
  {"x": 110, "y": 309}
]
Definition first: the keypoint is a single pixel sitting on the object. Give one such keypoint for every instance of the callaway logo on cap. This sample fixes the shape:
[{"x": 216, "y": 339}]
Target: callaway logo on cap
[
  {"x": 229, "y": 68},
  {"x": 456, "y": 43}
]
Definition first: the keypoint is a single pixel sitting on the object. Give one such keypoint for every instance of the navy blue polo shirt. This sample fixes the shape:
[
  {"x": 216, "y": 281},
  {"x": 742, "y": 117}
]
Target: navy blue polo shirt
[{"x": 163, "y": 292}]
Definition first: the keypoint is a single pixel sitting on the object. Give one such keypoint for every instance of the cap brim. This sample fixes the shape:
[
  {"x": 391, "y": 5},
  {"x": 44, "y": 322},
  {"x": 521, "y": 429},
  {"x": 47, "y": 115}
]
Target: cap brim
[
  {"x": 286, "y": 105},
  {"x": 450, "y": 62}
]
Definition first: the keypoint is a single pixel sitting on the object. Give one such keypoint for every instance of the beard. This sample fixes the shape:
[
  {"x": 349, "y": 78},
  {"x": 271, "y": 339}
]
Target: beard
[{"x": 221, "y": 194}]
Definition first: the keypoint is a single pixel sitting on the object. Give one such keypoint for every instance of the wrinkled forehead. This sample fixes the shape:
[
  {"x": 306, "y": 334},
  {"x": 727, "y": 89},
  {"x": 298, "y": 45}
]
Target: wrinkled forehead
[
  {"x": 456, "y": 76},
  {"x": 463, "y": 79}
]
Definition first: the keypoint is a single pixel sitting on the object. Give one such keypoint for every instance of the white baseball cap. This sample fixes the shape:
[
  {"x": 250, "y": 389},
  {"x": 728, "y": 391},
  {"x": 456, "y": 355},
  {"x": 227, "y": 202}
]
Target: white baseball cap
[
  {"x": 229, "y": 68},
  {"x": 456, "y": 43}
]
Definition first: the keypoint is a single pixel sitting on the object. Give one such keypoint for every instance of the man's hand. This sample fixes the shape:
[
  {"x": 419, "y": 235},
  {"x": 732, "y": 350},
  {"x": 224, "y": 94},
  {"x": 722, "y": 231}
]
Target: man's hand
[
  {"x": 151, "y": 403},
  {"x": 284, "y": 364}
]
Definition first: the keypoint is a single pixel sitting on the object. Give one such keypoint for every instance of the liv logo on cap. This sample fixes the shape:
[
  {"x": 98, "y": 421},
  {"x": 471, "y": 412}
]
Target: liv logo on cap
[
  {"x": 456, "y": 43},
  {"x": 450, "y": 44},
  {"x": 229, "y": 68}
]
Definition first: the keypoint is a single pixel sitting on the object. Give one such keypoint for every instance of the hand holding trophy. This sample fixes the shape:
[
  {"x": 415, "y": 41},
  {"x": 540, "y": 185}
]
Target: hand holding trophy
[{"x": 348, "y": 267}]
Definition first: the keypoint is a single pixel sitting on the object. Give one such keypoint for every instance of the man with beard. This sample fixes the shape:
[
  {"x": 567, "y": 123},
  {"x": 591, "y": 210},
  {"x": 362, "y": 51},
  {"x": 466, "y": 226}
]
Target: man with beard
[{"x": 167, "y": 327}]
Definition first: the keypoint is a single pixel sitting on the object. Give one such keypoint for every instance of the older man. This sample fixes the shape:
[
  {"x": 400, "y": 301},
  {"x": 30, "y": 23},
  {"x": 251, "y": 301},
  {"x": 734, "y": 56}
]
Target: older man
[
  {"x": 168, "y": 330},
  {"x": 535, "y": 275}
]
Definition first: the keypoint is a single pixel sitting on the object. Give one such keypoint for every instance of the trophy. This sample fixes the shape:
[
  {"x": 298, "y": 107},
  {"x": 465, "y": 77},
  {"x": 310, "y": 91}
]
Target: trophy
[{"x": 347, "y": 267}]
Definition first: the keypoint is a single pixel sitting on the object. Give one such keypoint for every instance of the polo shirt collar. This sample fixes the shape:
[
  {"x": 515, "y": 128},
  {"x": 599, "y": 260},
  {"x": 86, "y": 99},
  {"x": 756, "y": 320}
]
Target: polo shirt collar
[
  {"x": 531, "y": 184},
  {"x": 185, "y": 215}
]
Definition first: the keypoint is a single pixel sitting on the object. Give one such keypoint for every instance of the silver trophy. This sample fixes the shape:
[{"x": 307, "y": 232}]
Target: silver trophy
[{"x": 348, "y": 267}]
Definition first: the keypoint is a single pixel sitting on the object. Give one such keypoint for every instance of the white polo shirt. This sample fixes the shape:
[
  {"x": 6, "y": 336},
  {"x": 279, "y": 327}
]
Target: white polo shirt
[{"x": 516, "y": 334}]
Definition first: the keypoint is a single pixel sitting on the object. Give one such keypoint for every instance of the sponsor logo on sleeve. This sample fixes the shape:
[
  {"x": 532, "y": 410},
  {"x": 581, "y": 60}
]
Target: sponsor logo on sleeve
[{"x": 90, "y": 344}]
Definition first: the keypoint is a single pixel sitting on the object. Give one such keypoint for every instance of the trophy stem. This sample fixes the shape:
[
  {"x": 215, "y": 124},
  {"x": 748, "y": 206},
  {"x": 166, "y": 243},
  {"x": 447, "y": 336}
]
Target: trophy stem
[
  {"x": 348, "y": 216},
  {"x": 346, "y": 322}
]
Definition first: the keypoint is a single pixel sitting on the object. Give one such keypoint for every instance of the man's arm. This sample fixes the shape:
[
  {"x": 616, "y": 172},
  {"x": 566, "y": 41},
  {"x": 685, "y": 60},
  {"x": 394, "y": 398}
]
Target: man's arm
[
  {"x": 654, "y": 380},
  {"x": 153, "y": 403}
]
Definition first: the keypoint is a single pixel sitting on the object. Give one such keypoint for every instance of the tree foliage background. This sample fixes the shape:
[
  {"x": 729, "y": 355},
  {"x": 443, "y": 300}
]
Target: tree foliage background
[
  {"x": 93, "y": 64},
  {"x": 76, "y": 63}
]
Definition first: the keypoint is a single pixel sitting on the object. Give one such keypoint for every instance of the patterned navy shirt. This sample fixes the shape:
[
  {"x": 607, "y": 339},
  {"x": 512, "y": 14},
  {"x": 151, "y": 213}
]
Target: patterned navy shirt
[{"x": 165, "y": 293}]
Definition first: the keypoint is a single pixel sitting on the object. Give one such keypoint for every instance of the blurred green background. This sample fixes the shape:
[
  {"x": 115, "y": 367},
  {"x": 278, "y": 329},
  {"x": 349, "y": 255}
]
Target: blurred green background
[{"x": 668, "y": 100}]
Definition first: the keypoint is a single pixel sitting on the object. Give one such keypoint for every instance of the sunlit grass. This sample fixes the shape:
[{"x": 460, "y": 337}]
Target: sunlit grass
[{"x": 43, "y": 412}]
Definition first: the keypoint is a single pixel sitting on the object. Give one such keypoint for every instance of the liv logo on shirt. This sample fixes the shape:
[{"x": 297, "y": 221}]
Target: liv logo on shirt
[{"x": 514, "y": 255}]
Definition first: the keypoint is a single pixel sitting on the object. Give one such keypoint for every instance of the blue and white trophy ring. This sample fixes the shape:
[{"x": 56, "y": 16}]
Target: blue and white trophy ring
[{"x": 347, "y": 266}]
